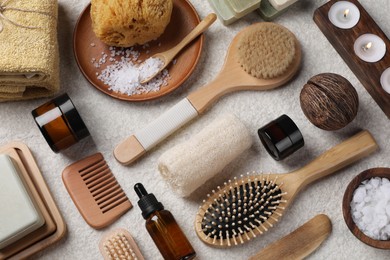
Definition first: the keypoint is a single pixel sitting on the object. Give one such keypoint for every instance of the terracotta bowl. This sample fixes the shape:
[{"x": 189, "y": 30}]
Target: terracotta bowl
[{"x": 353, "y": 185}]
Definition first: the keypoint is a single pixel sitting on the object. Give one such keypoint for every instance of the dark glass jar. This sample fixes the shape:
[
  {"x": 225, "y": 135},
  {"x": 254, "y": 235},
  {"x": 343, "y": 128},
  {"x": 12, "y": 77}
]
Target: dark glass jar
[{"x": 60, "y": 123}]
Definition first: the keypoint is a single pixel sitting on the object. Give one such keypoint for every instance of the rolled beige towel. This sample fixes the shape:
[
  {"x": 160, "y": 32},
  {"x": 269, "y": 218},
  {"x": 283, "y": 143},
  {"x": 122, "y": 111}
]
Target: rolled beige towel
[
  {"x": 29, "y": 64},
  {"x": 190, "y": 164}
]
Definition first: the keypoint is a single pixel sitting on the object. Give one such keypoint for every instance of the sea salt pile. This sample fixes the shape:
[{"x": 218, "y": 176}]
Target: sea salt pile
[
  {"x": 125, "y": 75},
  {"x": 370, "y": 208}
]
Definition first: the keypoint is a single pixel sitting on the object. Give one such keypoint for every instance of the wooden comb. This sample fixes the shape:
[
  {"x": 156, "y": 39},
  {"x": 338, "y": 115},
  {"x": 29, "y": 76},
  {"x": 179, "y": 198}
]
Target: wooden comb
[{"x": 95, "y": 191}]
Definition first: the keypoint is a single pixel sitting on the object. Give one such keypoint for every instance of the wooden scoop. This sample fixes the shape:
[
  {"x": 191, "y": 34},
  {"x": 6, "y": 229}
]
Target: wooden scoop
[
  {"x": 231, "y": 78},
  {"x": 300, "y": 243},
  {"x": 167, "y": 56}
]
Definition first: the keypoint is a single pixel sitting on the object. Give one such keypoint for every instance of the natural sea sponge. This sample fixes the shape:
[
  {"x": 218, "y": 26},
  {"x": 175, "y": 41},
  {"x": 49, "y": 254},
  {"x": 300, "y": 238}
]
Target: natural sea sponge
[{"x": 125, "y": 23}]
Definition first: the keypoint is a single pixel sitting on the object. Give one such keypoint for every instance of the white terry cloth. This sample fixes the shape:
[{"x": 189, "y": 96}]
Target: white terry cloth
[{"x": 190, "y": 164}]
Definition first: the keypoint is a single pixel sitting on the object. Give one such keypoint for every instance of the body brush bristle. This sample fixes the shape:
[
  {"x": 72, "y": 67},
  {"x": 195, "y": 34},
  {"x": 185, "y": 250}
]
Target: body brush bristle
[
  {"x": 241, "y": 209},
  {"x": 266, "y": 50}
]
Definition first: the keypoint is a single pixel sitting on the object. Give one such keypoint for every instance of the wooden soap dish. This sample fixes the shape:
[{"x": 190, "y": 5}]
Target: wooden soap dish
[
  {"x": 54, "y": 228},
  {"x": 352, "y": 186}
]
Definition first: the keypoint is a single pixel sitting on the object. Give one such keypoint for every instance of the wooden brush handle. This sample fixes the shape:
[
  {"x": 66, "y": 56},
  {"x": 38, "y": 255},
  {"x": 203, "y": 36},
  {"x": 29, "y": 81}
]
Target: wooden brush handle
[
  {"x": 343, "y": 154},
  {"x": 300, "y": 243}
]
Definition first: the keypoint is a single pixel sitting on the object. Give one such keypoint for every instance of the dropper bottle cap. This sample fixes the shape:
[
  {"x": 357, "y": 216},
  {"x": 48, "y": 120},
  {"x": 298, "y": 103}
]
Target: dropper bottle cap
[{"x": 147, "y": 202}]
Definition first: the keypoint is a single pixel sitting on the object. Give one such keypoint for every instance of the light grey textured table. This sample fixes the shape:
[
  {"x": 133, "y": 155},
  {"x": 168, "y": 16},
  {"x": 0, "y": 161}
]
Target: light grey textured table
[{"x": 110, "y": 121}]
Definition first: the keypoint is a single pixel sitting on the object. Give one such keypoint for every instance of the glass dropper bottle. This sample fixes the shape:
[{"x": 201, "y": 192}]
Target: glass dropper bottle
[{"x": 162, "y": 227}]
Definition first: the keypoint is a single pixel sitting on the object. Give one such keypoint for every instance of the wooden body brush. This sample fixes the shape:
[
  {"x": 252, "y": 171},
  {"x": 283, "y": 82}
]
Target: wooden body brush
[
  {"x": 262, "y": 56},
  {"x": 246, "y": 208}
]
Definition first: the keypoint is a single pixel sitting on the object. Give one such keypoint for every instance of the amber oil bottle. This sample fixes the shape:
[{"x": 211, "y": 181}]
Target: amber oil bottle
[{"x": 162, "y": 227}]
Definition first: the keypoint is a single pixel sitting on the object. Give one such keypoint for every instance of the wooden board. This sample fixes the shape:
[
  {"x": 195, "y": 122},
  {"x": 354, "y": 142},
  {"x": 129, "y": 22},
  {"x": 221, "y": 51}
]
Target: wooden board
[
  {"x": 343, "y": 40},
  {"x": 20, "y": 250}
]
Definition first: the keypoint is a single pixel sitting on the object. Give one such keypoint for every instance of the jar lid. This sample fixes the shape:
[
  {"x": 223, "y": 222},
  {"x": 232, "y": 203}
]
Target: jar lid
[
  {"x": 72, "y": 116},
  {"x": 281, "y": 137}
]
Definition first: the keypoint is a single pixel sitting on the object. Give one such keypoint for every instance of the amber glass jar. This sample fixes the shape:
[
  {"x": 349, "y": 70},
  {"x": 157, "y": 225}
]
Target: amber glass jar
[
  {"x": 60, "y": 123},
  {"x": 163, "y": 228}
]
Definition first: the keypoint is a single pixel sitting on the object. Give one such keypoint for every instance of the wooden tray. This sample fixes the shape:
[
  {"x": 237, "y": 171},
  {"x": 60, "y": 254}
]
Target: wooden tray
[
  {"x": 184, "y": 19},
  {"x": 50, "y": 232}
]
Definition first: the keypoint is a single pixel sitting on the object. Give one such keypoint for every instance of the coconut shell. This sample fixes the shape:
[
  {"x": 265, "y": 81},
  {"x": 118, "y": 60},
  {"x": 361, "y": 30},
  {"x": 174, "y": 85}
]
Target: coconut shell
[{"x": 329, "y": 101}]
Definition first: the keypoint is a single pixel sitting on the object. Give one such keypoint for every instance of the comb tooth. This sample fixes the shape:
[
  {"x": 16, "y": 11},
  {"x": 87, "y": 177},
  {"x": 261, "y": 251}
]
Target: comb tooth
[
  {"x": 108, "y": 186},
  {"x": 228, "y": 238},
  {"x": 109, "y": 196},
  {"x": 214, "y": 239},
  {"x": 113, "y": 205},
  {"x": 98, "y": 178},
  {"x": 104, "y": 183},
  {"x": 220, "y": 238},
  {"x": 92, "y": 165},
  {"x": 108, "y": 202},
  {"x": 91, "y": 168},
  {"x": 91, "y": 176},
  {"x": 107, "y": 191}
]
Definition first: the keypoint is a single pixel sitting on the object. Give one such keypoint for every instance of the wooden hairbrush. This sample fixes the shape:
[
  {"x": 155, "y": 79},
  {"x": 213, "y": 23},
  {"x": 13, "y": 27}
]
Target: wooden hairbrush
[
  {"x": 95, "y": 191},
  {"x": 246, "y": 208},
  {"x": 262, "y": 56}
]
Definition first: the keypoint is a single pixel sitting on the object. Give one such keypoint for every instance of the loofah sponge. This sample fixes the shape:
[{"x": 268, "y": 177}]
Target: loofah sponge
[
  {"x": 266, "y": 51},
  {"x": 190, "y": 164},
  {"x": 125, "y": 23}
]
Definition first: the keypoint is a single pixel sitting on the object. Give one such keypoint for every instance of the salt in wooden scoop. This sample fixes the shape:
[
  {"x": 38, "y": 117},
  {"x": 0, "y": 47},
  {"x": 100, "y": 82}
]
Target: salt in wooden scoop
[{"x": 167, "y": 56}]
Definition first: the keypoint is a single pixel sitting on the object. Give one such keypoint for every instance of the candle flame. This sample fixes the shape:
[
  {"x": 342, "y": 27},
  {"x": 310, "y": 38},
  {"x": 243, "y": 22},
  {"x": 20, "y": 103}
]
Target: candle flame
[
  {"x": 367, "y": 46},
  {"x": 346, "y": 12}
]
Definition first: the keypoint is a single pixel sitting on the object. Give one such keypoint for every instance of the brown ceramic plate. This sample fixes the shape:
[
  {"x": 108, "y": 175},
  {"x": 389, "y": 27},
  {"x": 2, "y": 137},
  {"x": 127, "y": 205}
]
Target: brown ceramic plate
[{"x": 184, "y": 19}]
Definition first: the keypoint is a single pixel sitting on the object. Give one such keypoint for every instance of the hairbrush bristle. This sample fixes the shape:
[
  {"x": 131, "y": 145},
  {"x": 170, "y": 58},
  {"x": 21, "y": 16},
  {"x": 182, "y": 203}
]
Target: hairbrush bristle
[
  {"x": 266, "y": 50},
  {"x": 241, "y": 210},
  {"x": 119, "y": 244},
  {"x": 118, "y": 247}
]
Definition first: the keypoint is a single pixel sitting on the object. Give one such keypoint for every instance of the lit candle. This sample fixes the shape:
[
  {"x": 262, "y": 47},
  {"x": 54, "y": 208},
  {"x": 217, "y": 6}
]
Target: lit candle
[
  {"x": 344, "y": 15},
  {"x": 369, "y": 47},
  {"x": 385, "y": 80}
]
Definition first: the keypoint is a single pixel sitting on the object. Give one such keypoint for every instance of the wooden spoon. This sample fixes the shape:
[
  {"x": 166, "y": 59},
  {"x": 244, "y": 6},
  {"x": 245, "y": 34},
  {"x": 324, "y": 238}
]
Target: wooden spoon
[
  {"x": 300, "y": 243},
  {"x": 167, "y": 56}
]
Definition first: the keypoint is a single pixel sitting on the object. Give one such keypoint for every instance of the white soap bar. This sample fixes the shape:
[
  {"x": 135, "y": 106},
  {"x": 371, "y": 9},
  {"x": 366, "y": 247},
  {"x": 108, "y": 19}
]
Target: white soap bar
[
  {"x": 19, "y": 216},
  {"x": 281, "y": 4}
]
